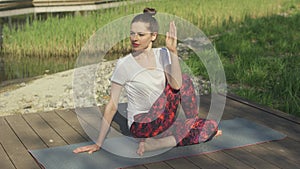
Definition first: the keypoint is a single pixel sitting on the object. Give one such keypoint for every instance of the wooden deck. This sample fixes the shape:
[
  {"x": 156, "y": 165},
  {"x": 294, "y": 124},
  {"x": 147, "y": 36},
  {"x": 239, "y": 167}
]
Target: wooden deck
[
  {"x": 18, "y": 133},
  {"x": 58, "y": 6}
]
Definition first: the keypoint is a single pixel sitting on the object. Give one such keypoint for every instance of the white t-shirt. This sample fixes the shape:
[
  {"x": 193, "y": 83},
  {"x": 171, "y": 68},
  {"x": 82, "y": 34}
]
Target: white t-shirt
[{"x": 143, "y": 86}]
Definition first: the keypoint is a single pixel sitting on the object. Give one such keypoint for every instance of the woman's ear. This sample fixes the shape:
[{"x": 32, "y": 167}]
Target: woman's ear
[{"x": 154, "y": 36}]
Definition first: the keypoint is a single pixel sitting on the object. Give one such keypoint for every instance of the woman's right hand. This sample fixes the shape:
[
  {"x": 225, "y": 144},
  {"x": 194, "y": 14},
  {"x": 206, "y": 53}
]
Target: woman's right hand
[{"x": 90, "y": 149}]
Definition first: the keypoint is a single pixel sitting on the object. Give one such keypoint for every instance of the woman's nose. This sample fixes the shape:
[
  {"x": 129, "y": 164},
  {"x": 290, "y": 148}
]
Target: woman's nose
[{"x": 135, "y": 36}]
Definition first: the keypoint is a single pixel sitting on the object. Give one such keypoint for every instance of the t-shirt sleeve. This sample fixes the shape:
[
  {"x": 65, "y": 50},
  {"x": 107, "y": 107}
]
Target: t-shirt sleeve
[
  {"x": 165, "y": 57},
  {"x": 119, "y": 75}
]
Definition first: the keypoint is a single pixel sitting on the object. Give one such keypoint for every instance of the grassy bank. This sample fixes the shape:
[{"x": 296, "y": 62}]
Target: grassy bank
[
  {"x": 262, "y": 61},
  {"x": 258, "y": 42}
]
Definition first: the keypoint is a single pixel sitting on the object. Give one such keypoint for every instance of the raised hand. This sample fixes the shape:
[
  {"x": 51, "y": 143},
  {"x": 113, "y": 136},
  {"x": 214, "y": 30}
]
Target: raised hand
[{"x": 171, "y": 39}]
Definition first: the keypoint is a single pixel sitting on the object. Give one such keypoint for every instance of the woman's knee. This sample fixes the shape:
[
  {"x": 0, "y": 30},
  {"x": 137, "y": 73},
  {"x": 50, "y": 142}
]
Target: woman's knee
[
  {"x": 139, "y": 130},
  {"x": 211, "y": 124},
  {"x": 186, "y": 78},
  {"x": 186, "y": 81}
]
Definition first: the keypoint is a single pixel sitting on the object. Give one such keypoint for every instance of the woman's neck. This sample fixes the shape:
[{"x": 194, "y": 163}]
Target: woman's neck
[
  {"x": 143, "y": 54},
  {"x": 146, "y": 59}
]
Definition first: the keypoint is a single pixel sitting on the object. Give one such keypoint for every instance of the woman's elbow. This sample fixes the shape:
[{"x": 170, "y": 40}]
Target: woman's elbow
[{"x": 176, "y": 85}]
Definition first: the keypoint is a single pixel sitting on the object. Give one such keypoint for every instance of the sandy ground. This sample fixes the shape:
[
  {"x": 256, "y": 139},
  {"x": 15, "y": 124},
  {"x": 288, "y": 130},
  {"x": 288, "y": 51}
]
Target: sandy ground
[
  {"x": 44, "y": 94},
  {"x": 59, "y": 91}
]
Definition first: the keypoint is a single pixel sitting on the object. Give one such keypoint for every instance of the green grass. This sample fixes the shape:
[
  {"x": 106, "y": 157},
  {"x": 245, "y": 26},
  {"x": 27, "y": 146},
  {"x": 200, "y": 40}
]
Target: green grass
[
  {"x": 64, "y": 36},
  {"x": 258, "y": 47},
  {"x": 262, "y": 61}
]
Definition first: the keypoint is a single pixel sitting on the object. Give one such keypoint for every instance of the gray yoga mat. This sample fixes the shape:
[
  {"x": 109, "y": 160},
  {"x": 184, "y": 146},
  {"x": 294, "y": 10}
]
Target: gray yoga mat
[{"x": 237, "y": 132}]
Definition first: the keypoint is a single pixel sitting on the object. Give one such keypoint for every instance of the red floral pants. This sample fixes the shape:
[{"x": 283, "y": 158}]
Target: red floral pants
[{"x": 161, "y": 120}]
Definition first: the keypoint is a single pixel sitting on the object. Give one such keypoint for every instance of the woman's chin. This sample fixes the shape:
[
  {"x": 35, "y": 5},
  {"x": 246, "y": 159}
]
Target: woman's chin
[{"x": 137, "y": 50}]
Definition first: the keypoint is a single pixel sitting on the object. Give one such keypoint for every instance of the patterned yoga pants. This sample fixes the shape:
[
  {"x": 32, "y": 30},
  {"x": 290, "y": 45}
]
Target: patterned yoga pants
[{"x": 161, "y": 119}]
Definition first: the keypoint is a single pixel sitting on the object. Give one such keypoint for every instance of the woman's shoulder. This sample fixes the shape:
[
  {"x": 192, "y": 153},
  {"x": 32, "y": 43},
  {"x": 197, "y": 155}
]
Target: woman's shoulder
[
  {"x": 160, "y": 48},
  {"x": 160, "y": 51},
  {"x": 163, "y": 56},
  {"x": 124, "y": 59}
]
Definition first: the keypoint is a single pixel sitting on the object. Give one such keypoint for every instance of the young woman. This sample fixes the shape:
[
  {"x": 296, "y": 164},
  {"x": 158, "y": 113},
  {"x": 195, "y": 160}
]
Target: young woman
[{"x": 154, "y": 90}]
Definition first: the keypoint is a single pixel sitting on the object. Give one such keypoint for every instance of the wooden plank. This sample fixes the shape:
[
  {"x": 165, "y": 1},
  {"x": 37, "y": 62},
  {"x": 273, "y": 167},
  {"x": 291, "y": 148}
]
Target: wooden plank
[
  {"x": 238, "y": 109},
  {"x": 14, "y": 148},
  {"x": 91, "y": 120},
  {"x": 71, "y": 118},
  {"x": 62, "y": 1},
  {"x": 25, "y": 133},
  {"x": 62, "y": 128},
  {"x": 282, "y": 125},
  {"x": 287, "y": 147},
  {"x": 136, "y": 167},
  {"x": 227, "y": 160},
  {"x": 49, "y": 4},
  {"x": 205, "y": 162},
  {"x": 279, "y": 154},
  {"x": 276, "y": 159},
  {"x": 180, "y": 163},
  {"x": 264, "y": 108},
  {"x": 249, "y": 159},
  {"x": 89, "y": 115},
  {"x": 45, "y": 132},
  {"x": 241, "y": 106},
  {"x": 205, "y": 103},
  {"x": 4, "y": 159},
  {"x": 72, "y": 8},
  {"x": 14, "y": 5},
  {"x": 158, "y": 165}
]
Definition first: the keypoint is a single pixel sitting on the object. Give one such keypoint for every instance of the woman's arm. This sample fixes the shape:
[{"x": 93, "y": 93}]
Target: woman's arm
[
  {"x": 174, "y": 75},
  {"x": 110, "y": 111}
]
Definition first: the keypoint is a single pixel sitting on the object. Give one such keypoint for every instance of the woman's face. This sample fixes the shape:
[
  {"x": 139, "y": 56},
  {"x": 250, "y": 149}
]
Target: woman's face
[{"x": 141, "y": 37}]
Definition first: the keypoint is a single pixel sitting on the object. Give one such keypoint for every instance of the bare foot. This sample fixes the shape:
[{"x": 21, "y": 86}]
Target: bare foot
[
  {"x": 152, "y": 144},
  {"x": 219, "y": 133},
  {"x": 141, "y": 149}
]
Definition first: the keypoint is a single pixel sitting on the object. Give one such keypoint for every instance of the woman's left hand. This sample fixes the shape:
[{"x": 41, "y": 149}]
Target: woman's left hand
[{"x": 171, "y": 39}]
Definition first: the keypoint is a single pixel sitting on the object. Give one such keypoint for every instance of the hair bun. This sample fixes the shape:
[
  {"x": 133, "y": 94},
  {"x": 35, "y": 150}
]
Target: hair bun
[{"x": 150, "y": 11}]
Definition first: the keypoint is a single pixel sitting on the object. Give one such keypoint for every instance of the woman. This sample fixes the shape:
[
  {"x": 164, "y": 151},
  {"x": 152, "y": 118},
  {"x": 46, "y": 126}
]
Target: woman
[{"x": 154, "y": 90}]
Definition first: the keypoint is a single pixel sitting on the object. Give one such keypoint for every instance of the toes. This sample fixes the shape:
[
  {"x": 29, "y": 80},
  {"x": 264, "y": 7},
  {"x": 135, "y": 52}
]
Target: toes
[
  {"x": 219, "y": 133},
  {"x": 141, "y": 149}
]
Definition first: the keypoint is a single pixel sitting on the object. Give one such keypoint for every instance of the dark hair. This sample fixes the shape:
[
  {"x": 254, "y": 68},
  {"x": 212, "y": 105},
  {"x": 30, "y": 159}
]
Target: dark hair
[{"x": 147, "y": 17}]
